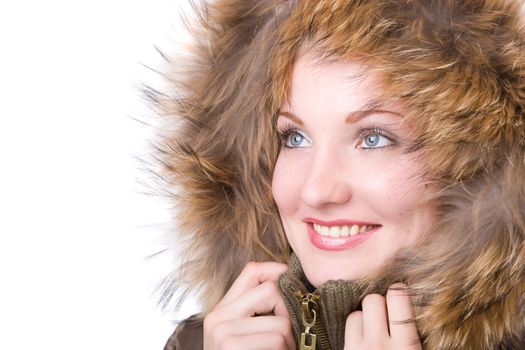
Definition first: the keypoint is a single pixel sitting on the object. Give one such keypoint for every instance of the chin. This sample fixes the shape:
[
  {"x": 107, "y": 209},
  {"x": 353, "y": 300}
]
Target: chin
[{"x": 317, "y": 275}]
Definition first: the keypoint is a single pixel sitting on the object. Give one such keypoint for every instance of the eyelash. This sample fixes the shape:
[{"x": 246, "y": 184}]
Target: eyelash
[
  {"x": 361, "y": 133},
  {"x": 285, "y": 132},
  {"x": 373, "y": 130}
]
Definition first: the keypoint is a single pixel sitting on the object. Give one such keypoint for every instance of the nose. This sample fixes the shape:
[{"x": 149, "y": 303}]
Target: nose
[{"x": 327, "y": 181}]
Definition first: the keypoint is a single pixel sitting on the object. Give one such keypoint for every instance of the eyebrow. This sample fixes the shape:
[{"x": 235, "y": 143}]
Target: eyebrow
[
  {"x": 292, "y": 117},
  {"x": 355, "y": 116},
  {"x": 352, "y": 117}
]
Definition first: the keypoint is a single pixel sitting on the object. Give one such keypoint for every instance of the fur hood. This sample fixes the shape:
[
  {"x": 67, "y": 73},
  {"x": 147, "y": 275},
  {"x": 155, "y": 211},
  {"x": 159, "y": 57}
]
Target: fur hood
[{"x": 458, "y": 66}]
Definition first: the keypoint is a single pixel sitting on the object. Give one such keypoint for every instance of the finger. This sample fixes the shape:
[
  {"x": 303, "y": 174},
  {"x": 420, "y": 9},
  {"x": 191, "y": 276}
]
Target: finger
[
  {"x": 375, "y": 319},
  {"x": 262, "y": 299},
  {"x": 255, "y": 325},
  {"x": 253, "y": 274},
  {"x": 260, "y": 341},
  {"x": 354, "y": 330},
  {"x": 399, "y": 311}
]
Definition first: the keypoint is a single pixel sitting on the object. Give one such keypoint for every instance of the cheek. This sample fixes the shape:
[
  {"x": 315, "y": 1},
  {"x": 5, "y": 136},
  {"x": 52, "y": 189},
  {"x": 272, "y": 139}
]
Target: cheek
[
  {"x": 395, "y": 191},
  {"x": 283, "y": 187}
]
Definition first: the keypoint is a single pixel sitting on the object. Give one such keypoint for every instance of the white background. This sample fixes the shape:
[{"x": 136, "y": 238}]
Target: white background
[{"x": 75, "y": 230}]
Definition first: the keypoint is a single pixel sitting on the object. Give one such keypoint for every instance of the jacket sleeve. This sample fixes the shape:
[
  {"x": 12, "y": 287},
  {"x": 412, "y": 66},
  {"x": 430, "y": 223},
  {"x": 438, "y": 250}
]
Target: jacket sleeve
[{"x": 187, "y": 335}]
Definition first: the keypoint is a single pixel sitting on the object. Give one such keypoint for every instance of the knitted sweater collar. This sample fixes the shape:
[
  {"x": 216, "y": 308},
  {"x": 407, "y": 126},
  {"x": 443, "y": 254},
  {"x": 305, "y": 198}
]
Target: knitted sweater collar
[{"x": 331, "y": 302}]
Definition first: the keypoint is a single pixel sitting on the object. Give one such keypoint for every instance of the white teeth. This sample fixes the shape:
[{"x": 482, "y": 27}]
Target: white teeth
[
  {"x": 323, "y": 230},
  {"x": 341, "y": 231},
  {"x": 335, "y": 231}
]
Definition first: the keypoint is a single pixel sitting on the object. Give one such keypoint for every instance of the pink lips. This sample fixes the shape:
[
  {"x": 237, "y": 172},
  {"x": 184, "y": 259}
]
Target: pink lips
[{"x": 337, "y": 243}]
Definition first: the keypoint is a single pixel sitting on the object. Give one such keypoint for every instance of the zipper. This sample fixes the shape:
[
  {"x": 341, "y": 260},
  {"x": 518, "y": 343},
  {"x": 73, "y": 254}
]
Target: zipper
[{"x": 313, "y": 327}]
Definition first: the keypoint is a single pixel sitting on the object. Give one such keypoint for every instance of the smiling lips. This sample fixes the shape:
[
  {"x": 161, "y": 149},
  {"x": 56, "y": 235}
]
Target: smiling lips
[{"x": 339, "y": 234}]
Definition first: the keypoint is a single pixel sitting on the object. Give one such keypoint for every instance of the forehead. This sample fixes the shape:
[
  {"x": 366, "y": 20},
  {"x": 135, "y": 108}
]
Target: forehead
[{"x": 337, "y": 85}]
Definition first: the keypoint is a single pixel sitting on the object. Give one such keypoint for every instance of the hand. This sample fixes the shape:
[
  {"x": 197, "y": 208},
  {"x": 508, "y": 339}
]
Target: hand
[
  {"x": 378, "y": 326},
  {"x": 235, "y": 322}
]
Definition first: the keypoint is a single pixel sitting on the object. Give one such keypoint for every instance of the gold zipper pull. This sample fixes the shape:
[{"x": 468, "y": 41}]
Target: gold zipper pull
[
  {"x": 312, "y": 340},
  {"x": 309, "y": 316}
]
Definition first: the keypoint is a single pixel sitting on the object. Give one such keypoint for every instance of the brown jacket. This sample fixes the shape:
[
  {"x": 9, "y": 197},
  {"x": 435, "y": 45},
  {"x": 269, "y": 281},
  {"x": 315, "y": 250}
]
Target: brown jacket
[
  {"x": 334, "y": 301},
  {"x": 187, "y": 335}
]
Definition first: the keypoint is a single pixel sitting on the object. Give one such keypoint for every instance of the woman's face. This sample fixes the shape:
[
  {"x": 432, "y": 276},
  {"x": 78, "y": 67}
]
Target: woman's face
[{"x": 346, "y": 189}]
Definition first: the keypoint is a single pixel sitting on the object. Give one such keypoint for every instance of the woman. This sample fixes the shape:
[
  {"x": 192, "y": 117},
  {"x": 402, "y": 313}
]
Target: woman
[{"x": 350, "y": 175}]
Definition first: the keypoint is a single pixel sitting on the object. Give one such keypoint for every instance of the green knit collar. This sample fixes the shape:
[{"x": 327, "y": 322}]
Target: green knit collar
[{"x": 338, "y": 298}]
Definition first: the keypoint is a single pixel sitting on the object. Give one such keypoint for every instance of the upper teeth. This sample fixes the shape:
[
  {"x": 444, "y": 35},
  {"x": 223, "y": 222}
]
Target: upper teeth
[{"x": 341, "y": 231}]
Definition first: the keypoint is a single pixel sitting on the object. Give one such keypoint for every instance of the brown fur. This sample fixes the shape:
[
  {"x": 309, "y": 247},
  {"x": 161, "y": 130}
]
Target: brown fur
[{"x": 459, "y": 68}]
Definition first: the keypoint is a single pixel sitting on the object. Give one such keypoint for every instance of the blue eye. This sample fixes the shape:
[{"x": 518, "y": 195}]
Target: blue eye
[
  {"x": 293, "y": 138},
  {"x": 375, "y": 140}
]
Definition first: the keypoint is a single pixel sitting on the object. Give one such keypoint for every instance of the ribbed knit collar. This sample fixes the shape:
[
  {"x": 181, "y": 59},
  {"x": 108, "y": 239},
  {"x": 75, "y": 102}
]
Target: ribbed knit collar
[{"x": 337, "y": 300}]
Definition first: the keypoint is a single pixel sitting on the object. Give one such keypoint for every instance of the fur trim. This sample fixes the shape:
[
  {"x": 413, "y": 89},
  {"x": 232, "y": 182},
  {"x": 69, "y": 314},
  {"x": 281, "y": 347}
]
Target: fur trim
[
  {"x": 219, "y": 161},
  {"x": 459, "y": 68}
]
